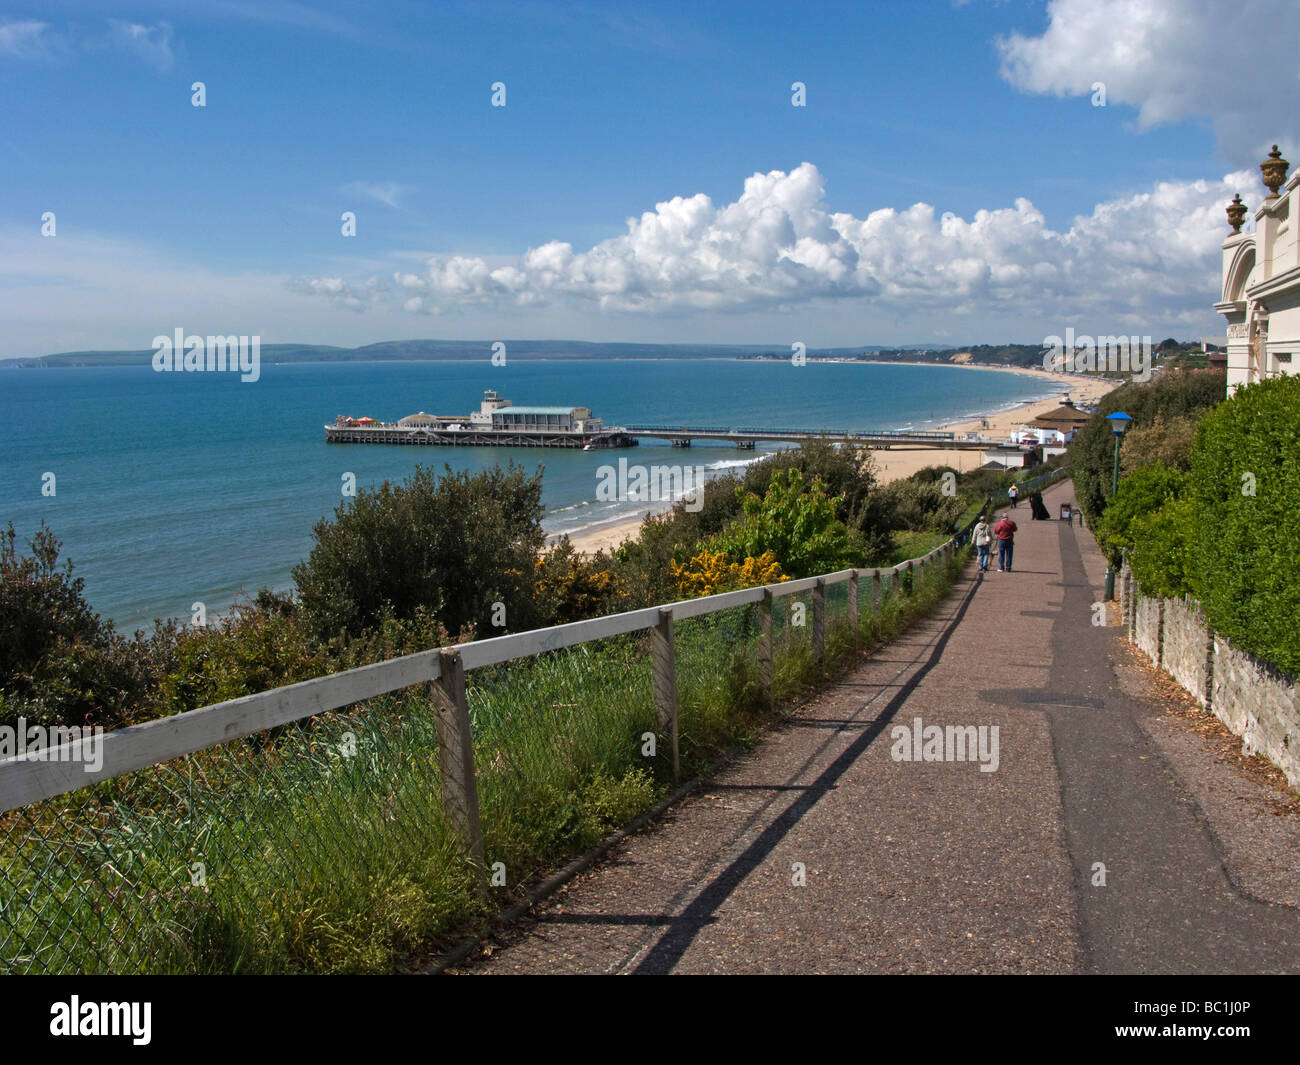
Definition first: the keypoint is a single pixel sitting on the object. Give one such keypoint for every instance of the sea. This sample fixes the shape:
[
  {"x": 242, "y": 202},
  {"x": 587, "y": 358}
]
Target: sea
[{"x": 171, "y": 489}]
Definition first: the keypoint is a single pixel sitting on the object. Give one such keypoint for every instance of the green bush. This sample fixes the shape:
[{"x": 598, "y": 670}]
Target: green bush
[
  {"x": 60, "y": 663},
  {"x": 1172, "y": 395},
  {"x": 453, "y": 545},
  {"x": 1162, "y": 541},
  {"x": 1245, "y": 485},
  {"x": 1141, "y": 493},
  {"x": 795, "y": 520},
  {"x": 917, "y": 505}
]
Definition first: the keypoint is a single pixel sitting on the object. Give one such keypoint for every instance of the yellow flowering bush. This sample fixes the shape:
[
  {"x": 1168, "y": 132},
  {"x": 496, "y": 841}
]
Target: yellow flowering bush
[{"x": 709, "y": 572}]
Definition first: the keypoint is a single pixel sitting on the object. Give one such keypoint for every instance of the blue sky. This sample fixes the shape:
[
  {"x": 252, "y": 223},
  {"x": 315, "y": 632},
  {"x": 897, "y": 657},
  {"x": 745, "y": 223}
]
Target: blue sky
[{"x": 481, "y": 221}]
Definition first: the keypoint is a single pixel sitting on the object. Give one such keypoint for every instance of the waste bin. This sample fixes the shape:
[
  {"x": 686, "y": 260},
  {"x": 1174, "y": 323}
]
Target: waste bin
[{"x": 1067, "y": 511}]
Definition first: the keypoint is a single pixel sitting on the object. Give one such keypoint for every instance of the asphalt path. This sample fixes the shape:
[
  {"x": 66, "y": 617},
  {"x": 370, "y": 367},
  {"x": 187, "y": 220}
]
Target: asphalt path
[{"x": 824, "y": 850}]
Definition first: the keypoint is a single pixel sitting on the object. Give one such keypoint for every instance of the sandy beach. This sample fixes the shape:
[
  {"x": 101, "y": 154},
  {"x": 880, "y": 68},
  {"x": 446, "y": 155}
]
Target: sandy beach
[{"x": 897, "y": 465}]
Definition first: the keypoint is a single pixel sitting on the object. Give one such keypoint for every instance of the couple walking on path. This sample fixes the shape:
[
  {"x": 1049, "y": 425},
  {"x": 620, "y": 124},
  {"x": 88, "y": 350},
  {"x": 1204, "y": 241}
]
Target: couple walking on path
[{"x": 1004, "y": 532}]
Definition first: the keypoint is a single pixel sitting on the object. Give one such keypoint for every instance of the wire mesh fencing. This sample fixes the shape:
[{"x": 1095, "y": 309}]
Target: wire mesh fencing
[
  {"x": 314, "y": 847},
  {"x": 565, "y": 747},
  {"x": 330, "y": 844}
]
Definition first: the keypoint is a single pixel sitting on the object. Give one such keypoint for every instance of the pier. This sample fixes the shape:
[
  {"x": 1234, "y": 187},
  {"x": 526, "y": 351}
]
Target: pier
[
  {"x": 746, "y": 437},
  {"x": 423, "y": 435},
  {"x": 499, "y": 423}
]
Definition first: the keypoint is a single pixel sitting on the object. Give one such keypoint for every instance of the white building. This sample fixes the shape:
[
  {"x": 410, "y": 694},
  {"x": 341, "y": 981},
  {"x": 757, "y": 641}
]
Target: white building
[
  {"x": 501, "y": 415},
  {"x": 1261, "y": 281}
]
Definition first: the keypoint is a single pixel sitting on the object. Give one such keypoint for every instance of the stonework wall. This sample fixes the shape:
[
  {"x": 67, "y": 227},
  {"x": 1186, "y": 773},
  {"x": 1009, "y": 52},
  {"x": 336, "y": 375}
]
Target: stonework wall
[
  {"x": 1186, "y": 641},
  {"x": 1259, "y": 704},
  {"x": 1254, "y": 700},
  {"x": 1146, "y": 627}
]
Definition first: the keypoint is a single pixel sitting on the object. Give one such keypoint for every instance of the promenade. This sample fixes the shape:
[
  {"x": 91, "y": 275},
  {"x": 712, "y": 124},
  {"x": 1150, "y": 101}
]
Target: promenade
[{"x": 936, "y": 866}]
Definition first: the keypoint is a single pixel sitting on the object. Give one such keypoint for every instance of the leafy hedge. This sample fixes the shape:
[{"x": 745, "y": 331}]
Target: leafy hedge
[
  {"x": 1245, "y": 489},
  {"x": 1227, "y": 532},
  {"x": 1171, "y": 396}
]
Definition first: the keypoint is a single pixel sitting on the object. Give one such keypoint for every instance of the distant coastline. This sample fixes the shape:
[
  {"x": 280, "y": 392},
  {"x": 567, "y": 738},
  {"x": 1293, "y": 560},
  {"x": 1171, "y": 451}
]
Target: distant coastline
[
  {"x": 532, "y": 350},
  {"x": 898, "y": 465}
]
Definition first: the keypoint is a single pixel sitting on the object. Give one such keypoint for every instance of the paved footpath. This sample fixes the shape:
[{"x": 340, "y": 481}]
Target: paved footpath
[{"x": 935, "y": 866}]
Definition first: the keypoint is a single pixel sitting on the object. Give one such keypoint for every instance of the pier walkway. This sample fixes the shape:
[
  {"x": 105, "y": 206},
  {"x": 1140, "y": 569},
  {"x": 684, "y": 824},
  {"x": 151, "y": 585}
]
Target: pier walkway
[
  {"x": 937, "y": 866},
  {"x": 746, "y": 437}
]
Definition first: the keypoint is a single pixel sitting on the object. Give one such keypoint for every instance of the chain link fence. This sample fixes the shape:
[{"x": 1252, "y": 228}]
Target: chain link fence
[{"x": 326, "y": 845}]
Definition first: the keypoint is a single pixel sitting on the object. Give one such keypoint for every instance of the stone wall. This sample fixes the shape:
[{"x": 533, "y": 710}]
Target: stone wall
[
  {"x": 1255, "y": 701},
  {"x": 1259, "y": 704},
  {"x": 1146, "y": 626},
  {"x": 1186, "y": 647}
]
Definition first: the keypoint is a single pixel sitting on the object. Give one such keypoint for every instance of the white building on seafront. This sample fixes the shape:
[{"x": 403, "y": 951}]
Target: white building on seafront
[{"x": 1261, "y": 281}]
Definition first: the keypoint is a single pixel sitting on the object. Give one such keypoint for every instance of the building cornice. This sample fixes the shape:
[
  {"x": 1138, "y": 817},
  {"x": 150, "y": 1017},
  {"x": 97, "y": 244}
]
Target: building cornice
[{"x": 1275, "y": 284}]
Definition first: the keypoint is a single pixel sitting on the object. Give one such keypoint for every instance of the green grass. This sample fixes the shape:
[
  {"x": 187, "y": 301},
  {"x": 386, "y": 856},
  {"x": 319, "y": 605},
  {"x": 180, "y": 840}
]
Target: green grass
[{"x": 323, "y": 846}]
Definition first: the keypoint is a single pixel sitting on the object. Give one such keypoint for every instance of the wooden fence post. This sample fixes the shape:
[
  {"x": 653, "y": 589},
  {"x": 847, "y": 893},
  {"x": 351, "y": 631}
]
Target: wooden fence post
[
  {"x": 819, "y": 622},
  {"x": 456, "y": 754},
  {"x": 665, "y": 681},
  {"x": 765, "y": 648},
  {"x": 853, "y": 606}
]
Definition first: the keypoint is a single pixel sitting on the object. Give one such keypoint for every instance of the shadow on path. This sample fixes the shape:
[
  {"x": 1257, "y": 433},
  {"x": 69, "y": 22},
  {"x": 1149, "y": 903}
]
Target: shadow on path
[{"x": 665, "y": 954}]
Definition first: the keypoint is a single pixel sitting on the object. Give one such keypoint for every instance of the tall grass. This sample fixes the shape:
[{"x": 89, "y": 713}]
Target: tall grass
[{"x": 322, "y": 846}]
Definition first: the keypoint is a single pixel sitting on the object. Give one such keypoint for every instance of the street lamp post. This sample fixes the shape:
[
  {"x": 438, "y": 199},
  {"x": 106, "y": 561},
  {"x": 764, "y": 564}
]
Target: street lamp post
[{"x": 1118, "y": 423}]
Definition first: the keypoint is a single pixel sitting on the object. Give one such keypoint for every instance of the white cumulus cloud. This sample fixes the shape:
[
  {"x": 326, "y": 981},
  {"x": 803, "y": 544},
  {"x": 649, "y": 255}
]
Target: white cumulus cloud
[
  {"x": 778, "y": 247},
  {"x": 1237, "y": 65}
]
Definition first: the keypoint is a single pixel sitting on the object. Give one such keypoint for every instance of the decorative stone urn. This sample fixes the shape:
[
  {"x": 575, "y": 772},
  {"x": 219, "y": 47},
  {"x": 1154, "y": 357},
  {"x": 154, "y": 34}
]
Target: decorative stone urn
[
  {"x": 1274, "y": 169},
  {"x": 1236, "y": 213}
]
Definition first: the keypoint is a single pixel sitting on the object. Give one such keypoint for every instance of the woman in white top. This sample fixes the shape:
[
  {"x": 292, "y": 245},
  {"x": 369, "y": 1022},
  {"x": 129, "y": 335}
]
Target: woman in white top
[{"x": 983, "y": 543}]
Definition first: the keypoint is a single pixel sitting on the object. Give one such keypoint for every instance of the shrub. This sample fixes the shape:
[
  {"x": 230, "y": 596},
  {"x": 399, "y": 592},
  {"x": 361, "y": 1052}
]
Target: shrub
[
  {"x": 1165, "y": 440},
  {"x": 1141, "y": 493},
  {"x": 1173, "y": 395},
  {"x": 916, "y": 505},
  {"x": 59, "y": 662},
  {"x": 794, "y": 521},
  {"x": 1245, "y": 485},
  {"x": 1162, "y": 548},
  {"x": 709, "y": 573},
  {"x": 453, "y": 545},
  {"x": 571, "y": 586},
  {"x": 848, "y": 471}
]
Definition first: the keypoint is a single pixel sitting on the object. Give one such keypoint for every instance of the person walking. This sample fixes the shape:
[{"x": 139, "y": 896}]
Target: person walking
[
  {"x": 983, "y": 534},
  {"x": 1014, "y": 494},
  {"x": 1005, "y": 532}
]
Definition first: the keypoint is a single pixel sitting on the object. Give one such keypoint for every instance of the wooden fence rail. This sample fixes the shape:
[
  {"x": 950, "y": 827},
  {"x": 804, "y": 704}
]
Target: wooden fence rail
[{"x": 35, "y": 776}]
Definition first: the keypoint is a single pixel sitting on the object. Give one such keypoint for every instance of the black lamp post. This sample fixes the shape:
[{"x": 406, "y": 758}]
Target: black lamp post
[{"x": 1118, "y": 423}]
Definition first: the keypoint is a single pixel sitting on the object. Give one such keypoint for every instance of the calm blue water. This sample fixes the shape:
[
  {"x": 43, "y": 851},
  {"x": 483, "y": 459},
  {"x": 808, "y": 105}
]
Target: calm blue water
[{"x": 177, "y": 488}]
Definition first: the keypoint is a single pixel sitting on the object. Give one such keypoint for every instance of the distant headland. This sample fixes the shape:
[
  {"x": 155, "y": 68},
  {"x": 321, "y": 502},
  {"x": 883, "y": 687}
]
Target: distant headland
[{"x": 1016, "y": 355}]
